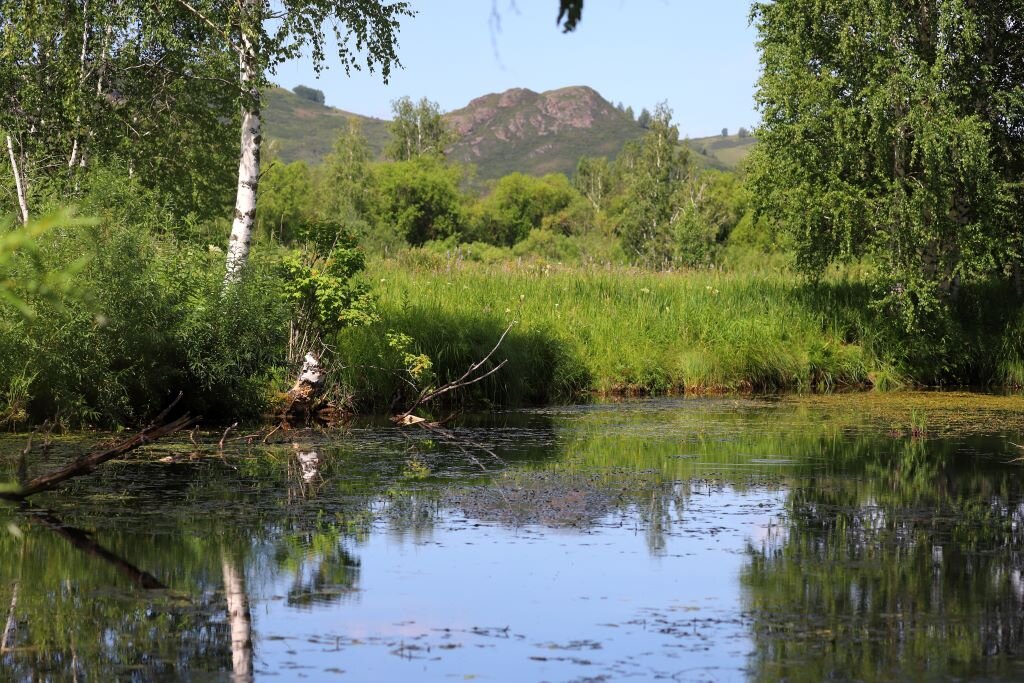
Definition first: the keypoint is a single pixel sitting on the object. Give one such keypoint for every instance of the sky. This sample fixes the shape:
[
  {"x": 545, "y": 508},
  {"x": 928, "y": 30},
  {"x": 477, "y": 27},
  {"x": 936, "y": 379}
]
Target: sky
[{"x": 698, "y": 56}]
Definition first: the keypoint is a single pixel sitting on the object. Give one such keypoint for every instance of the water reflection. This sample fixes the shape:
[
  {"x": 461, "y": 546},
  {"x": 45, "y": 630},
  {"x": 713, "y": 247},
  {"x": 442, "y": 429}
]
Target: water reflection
[
  {"x": 916, "y": 555},
  {"x": 716, "y": 538}
]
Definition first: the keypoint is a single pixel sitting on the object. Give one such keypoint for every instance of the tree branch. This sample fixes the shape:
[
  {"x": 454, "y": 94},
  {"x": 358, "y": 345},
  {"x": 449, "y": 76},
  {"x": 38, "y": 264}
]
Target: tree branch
[
  {"x": 88, "y": 463},
  {"x": 212, "y": 25},
  {"x": 463, "y": 381}
]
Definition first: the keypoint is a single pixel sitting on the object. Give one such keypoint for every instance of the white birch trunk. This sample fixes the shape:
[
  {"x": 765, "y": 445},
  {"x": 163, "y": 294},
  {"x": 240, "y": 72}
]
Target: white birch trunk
[
  {"x": 240, "y": 621},
  {"x": 19, "y": 182},
  {"x": 249, "y": 157},
  {"x": 81, "y": 81}
]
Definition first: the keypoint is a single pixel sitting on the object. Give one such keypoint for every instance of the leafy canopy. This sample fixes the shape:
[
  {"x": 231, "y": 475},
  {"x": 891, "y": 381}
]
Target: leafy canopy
[{"x": 895, "y": 131}]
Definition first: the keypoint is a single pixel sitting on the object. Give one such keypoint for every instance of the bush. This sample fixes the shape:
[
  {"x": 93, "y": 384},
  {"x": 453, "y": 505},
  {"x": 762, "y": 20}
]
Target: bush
[{"x": 149, "y": 317}]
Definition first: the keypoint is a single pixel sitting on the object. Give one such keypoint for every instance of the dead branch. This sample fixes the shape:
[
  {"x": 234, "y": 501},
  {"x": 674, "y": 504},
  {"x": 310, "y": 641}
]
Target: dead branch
[
  {"x": 465, "y": 380},
  {"x": 90, "y": 462},
  {"x": 225, "y": 435},
  {"x": 266, "y": 439}
]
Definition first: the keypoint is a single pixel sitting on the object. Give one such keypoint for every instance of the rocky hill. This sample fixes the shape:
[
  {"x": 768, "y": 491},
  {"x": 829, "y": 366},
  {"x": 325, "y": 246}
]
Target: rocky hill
[
  {"x": 537, "y": 133},
  {"x": 517, "y": 130}
]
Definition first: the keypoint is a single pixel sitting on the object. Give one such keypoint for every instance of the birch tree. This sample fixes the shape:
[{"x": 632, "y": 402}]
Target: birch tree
[
  {"x": 895, "y": 131},
  {"x": 134, "y": 82},
  {"x": 417, "y": 130},
  {"x": 261, "y": 35}
]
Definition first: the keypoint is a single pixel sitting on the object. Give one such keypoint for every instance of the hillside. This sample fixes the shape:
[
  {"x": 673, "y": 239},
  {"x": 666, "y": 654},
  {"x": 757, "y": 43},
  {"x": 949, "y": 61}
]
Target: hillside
[
  {"x": 722, "y": 152},
  {"x": 517, "y": 130},
  {"x": 298, "y": 128},
  {"x": 537, "y": 133}
]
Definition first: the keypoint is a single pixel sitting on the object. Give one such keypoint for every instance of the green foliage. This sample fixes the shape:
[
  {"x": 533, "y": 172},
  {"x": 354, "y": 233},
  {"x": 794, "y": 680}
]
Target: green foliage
[
  {"x": 99, "y": 80},
  {"x": 144, "y": 317},
  {"x": 311, "y": 94},
  {"x": 419, "y": 199},
  {"x": 520, "y": 203},
  {"x": 20, "y": 253},
  {"x": 319, "y": 285},
  {"x": 417, "y": 130},
  {"x": 283, "y": 206},
  {"x": 712, "y": 204},
  {"x": 892, "y": 132},
  {"x": 417, "y": 366}
]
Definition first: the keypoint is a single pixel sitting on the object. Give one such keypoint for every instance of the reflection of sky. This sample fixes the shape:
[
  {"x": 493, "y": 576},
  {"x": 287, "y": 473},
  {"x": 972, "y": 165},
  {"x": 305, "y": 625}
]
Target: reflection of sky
[{"x": 574, "y": 604}]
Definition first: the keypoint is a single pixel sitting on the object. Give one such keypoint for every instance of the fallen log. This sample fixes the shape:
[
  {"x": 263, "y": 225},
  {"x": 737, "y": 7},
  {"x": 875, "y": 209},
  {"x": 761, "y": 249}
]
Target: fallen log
[{"x": 88, "y": 463}]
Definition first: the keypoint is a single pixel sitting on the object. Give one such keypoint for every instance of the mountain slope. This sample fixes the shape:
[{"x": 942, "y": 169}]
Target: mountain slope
[
  {"x": 537, "y": 133},
  {"x": 724, "y": 152},
  {"x": 517, "y": 130},
  {"x": 297, "y": 128}
]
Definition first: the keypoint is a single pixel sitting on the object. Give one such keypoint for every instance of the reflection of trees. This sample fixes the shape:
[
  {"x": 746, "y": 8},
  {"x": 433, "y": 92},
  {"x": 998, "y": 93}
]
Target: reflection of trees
[{"x": 914, "y": 559}]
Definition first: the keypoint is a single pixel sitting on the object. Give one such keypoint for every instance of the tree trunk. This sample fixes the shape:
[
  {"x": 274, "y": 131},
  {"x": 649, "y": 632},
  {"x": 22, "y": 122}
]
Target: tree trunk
[
  {"x": 19, "y": 182},
  {"x": 9, "y": 624},
  {"x": 73, "y": 159},
  {"x": 249, "y": 156},
  {"x": 240, "y": 621}
]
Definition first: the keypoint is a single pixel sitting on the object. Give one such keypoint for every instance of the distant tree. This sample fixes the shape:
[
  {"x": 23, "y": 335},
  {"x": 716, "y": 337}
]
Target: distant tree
[
  {"x": 419, "y": 198},
  {"x": 645, "y": 118},
  {"x": 347, "y": 193},
  {"x": 630, "y": 114},
  {"x": 518, "y": 204},
  {"x": 417, "y": 130},
  {"x": 284, "y": 200},
  {"x": 594, "y": 180},
  {"x": 709, "y": 204},
  {"x": 725, "y": 132},
  {"x": 311, "y": 94},
  {"x": 653, "y": 172},
  {"x": 896, "y": 132},
  {"x": 743, "y": 132}
]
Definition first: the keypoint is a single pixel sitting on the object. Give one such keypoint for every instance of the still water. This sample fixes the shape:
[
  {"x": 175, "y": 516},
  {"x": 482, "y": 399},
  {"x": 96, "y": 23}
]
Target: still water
[{"x": 687, "y": 540}]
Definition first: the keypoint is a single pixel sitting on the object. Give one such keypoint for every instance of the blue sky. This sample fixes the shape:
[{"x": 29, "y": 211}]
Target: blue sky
[{"x": 699, "y": 56}]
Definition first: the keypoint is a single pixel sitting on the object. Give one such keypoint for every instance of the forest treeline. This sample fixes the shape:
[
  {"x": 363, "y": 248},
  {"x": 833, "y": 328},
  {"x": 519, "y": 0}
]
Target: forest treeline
[
  {"x": 872, "y": 239},
  {"x": 653, "y": 205}
]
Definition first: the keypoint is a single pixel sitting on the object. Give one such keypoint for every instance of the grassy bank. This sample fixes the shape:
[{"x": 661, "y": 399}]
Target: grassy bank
[
  {"x": 147, "y": 316},
  {"x": 612, "y": 330},
  {"x": 615, "y": 330}
]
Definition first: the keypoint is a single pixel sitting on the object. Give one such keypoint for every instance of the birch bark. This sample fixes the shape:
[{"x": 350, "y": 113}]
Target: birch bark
[
  {"x": 249, "y": 157},
  {"x": 19, "y": 182},
  {"x": 81, "y": 82}
]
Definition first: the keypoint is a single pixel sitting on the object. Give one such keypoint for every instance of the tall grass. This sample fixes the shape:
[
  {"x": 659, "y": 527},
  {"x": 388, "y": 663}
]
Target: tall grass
[{"x": 614, "y": 330}]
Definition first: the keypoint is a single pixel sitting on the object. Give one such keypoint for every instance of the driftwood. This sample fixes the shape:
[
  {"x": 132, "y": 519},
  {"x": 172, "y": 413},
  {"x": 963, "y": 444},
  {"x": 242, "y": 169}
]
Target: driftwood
[
  {"x": 407, "y": 418},
  {"x": 90, "y": 462}
]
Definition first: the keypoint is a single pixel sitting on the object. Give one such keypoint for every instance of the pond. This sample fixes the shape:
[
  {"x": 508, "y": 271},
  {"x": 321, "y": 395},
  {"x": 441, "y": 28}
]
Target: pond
[{"x": 849, "y": 537}]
